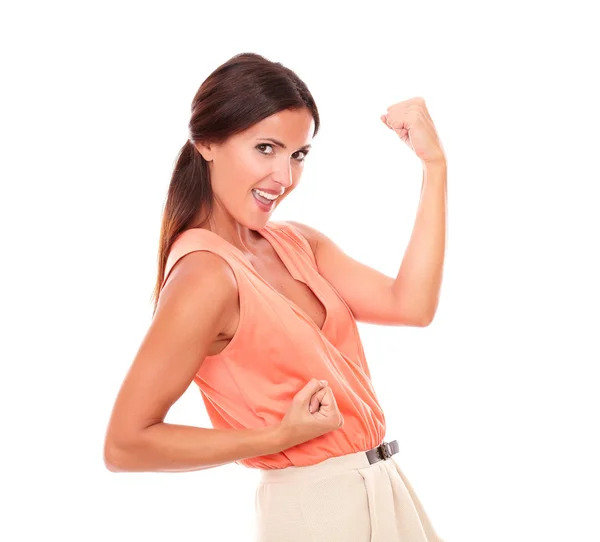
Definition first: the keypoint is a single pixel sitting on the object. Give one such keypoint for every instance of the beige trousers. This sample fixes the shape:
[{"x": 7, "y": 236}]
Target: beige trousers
[{"x": 341, "y": 499}]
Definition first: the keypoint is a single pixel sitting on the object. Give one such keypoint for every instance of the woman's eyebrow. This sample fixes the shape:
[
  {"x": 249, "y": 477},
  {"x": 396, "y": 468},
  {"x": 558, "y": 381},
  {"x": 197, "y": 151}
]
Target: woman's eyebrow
[{"x": 280, "y": 144}]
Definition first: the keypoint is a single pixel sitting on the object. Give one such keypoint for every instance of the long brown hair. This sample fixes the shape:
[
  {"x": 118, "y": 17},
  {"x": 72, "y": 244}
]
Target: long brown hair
[{"x": 239, "y": 93}]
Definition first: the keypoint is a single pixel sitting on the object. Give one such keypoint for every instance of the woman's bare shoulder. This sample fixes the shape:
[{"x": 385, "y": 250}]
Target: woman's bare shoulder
[
  {"x": 311, "y": 234},
  {"x": 199, "y": 275}
]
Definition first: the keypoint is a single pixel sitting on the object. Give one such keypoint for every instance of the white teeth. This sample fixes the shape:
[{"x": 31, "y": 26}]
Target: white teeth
[{"x": 265, "y": 194}]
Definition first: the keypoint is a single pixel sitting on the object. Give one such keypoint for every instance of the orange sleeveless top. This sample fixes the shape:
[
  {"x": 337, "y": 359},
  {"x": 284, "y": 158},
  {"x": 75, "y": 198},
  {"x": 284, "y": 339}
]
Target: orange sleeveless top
[{"x": 277, "y": 348}]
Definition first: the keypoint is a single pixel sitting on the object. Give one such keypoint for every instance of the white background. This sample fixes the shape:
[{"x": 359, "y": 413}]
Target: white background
[{"x": 495, "y": 404}]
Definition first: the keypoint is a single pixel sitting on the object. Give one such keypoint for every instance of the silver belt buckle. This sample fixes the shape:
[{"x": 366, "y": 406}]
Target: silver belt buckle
[{"x": 384, "y": 451}]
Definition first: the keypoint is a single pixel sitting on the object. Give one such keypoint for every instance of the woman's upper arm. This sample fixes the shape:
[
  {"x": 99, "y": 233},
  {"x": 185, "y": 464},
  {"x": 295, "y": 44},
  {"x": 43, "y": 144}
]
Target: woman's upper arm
[{"x": 195, "y": 305}]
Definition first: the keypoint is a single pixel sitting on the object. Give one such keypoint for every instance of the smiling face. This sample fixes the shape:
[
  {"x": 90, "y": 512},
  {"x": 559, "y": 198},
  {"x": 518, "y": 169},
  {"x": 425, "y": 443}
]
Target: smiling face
[{"x": 254, "y": 159}]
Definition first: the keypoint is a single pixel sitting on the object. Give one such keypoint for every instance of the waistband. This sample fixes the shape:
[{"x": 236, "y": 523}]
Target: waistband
[{"x": 330, "y": 466}]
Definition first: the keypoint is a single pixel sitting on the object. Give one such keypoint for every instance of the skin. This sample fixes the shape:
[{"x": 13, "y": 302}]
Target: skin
[
  {"x": 248, "y": 160},
  {"x": 197, "y": 309}
]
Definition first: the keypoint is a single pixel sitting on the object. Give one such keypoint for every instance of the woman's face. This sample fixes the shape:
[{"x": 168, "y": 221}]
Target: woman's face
[{"x": 252, "y": 160}]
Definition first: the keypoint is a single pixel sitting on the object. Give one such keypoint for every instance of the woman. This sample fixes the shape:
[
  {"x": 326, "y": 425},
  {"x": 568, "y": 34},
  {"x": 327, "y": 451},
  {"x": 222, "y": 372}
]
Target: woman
[{"x": 262, "y": 316}]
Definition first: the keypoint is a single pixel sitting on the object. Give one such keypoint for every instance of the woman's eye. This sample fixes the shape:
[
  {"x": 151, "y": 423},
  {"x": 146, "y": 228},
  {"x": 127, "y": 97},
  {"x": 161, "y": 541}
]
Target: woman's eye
[
  {"x": 264, "y": 145},
  {"x": 268, "y": 153},
  {"x": 303, "y": 157}
]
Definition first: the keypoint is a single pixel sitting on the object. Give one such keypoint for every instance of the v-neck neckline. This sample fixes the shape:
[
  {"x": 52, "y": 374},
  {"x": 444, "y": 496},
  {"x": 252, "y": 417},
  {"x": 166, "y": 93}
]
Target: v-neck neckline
[{"x": 296, "y": 276}]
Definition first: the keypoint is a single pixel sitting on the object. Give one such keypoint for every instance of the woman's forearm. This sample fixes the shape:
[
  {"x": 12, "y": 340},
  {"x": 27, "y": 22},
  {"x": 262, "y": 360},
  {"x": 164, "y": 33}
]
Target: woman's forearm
[{"x": 165, "y": 447}]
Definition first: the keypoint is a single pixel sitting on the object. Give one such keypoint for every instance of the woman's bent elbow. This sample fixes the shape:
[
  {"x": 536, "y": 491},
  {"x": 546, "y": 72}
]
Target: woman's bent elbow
[{"x": 113, "y": 458}]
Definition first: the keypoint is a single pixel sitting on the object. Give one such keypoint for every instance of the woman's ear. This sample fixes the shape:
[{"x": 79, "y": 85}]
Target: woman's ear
[{"x": 206, "y": 150}]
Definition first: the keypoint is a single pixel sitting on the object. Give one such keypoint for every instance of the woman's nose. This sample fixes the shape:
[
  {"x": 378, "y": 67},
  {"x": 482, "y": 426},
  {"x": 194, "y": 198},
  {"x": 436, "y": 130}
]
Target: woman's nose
[{"x": 283, "y": 175}]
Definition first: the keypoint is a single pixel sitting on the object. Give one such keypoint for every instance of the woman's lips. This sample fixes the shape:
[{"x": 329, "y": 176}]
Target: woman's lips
[{"x": 262, "y": 206}]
